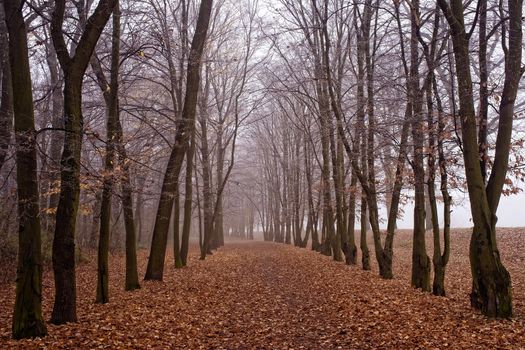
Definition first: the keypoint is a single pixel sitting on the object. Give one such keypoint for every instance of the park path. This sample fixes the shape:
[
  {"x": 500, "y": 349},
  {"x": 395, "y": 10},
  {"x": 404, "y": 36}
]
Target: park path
[{"x": 256, "y": 295}]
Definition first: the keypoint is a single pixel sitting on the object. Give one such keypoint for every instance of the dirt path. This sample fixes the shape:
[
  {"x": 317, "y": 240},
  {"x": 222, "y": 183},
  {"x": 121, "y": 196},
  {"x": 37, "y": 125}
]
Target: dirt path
[{"x": 271, "y": 296}]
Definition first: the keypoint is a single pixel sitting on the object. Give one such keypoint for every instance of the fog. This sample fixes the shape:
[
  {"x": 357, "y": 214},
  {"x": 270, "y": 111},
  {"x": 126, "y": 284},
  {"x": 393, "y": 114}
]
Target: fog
[{"x": 511, "y": 212}]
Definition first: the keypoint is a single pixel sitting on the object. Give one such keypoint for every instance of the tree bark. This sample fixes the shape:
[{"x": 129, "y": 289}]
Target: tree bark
[
  {"x": 440, "y": 260},
  {"x": 112, "y": 113},
  {"x": 483, "y": 89},
  {"x": 206, "y": 167},
  {"x": 28, "y": 321},
  {"x": 311, "y": 207},
  {"x": 363, "y": 38},
  {"x": 155, "y": 267},
  {"x": 132, "y": 277},
  {"x": 420, "y": 260},
  {"x": 218, "y": 220},
  {"x": 57, "y": 136},
  {"x": 64, "y": 309},
  {"x": 6, "y": 99},
  {"x": 491, "y": 283},
  {"x": 176, "y": 229},
  {"x": 188, "y": 201},
  {"x": 139, "y": 209},
  {"x": 351, "y": 257}
]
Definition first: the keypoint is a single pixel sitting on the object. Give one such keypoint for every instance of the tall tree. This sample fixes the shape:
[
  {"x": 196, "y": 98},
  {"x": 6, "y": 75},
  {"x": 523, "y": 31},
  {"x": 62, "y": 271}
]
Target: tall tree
[
  {"x": 491, "y": 283},
  {"x": 439, "y": 259},
  {"x": 112, "y": 115},
  {"x": 384, "y": 253},
  {"x": 27, "y": 317},
  {"x": 205, "y": 160},
  {"x": 132, "y": 277},
  {"x": 420, "y": 259},
  {"x": 115, "y": 149},
  {"x": 6, "y": 99},
  {"x": 74, "y": 67},
  {"x": 155, "y": 267}
]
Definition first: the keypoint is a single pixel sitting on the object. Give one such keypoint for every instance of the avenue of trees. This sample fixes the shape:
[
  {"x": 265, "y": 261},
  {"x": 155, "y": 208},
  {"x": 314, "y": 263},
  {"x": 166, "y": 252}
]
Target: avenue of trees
[
  {"x": 138, "y": 123},
  {"x": 378, "y": 103}
]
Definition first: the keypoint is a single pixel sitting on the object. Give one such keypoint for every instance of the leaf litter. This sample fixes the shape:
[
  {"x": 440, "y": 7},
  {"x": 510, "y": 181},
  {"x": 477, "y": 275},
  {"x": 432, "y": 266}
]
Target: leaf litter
[{"x": 257, "y": 295}]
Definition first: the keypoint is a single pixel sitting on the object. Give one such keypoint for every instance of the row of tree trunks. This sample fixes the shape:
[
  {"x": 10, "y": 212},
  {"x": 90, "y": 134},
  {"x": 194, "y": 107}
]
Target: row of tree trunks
[
  {"x": 383, "y": 254},
  {"x": 491, "y": 283}
]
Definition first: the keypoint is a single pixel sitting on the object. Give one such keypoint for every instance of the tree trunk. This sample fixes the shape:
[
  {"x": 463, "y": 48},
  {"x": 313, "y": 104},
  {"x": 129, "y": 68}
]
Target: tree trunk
[
  {"x": 311, "y": 206},
  {"x": 491, "y": 283},
  {"x": 155, "y": 267},
  {"x": 188, "y": 201},
  {"x": 95, "y": 223},
  {"x": 370, "y": 142},
  {"x": 365, "y": 254},
  {"x": 28, "y": 321},
  {"x": 428, "y": 211},
  {"x": 363, "y": 39},
  {"x": 6, "y": 100},
  {"x": 483, "y": 89},
  {"x": 139, "y": 209},
  {"x": 420, "y": 260},
  {"x": 351, "y": 257},
  {"x": 112, "y": 112},
  {"x": 218, "y": 220},
  {"x": 337, "y": 176},
  {"x": 57, "y": 137},
  {"x": 328, "y": 215},
  {"x": 132, "y": 277},
  {"x": 441, "y": 260},
  {"x": 206, "y": 167},
  {"x": 64, "y": 308},
  {"x": 286, "y": 190},
  {"x": 176, "y": 228}
]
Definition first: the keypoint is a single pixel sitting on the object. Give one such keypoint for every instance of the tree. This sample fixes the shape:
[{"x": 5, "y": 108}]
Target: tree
[
  {"x": 420, "y": 259},
  {"x": 28, "y": 320},
  {"x": 114, "y": 141},
  {"x": 155, "y": 267},
  {"x": 73, "y": 66},
  {"x": 491, "y": 283},
  {"x": 6, "y": 99},
  {"x": 115, "y": 152},
  {"x": 435, "y": 141}
]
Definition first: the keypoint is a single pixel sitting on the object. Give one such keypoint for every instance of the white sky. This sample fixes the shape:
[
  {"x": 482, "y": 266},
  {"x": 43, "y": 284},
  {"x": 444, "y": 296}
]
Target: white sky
[{"x": 511, "y": 213}]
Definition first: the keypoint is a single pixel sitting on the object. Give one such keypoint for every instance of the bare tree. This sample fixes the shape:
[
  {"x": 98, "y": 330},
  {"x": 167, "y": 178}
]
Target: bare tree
[
  {"x": 73, "y": 67},
  {"x": 491, "y": 284},
  {"x": 28, "y": 320},
  {"x": 184, "y": 126}
]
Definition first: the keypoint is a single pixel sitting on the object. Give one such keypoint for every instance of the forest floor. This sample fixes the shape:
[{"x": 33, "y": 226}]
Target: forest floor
[{"x": 271, "y": 296}]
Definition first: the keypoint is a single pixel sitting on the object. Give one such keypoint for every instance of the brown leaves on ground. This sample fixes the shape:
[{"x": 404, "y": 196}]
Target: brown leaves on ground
[{"x": 265, "y": 295}]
